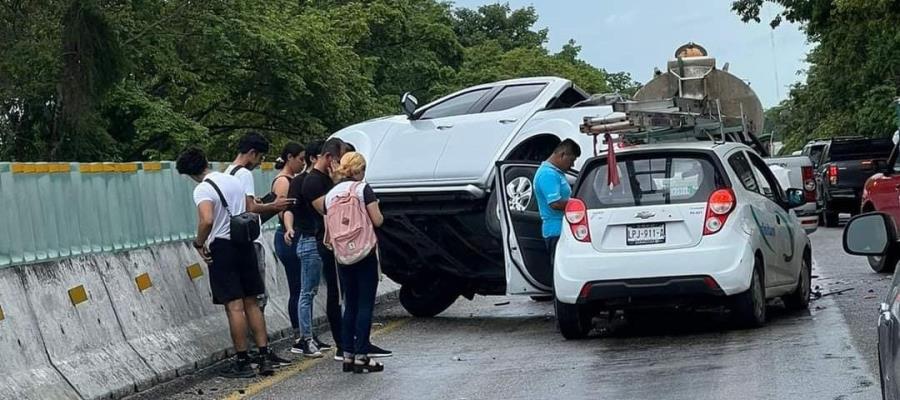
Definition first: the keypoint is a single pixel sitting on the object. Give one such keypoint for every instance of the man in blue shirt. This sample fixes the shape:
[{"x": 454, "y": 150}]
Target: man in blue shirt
[{"x": 552, "y": 191}]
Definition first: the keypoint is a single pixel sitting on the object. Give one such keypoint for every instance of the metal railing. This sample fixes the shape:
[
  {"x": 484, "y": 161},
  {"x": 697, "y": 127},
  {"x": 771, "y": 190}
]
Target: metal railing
[{"x": 55, "y": 210}]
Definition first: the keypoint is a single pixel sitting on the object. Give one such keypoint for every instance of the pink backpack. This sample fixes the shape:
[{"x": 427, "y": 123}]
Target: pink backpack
[{"x": 348, "y": 228}]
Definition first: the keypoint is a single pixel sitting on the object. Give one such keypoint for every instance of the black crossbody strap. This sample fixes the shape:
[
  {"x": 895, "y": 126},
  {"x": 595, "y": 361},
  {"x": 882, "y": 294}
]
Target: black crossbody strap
[
  {"x": 221, "y": 196},
  {"x": 235, "y": 170}
]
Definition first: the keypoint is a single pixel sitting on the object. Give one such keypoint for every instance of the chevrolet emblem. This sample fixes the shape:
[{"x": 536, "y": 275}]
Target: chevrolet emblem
[{"x": 645, "y": 214}]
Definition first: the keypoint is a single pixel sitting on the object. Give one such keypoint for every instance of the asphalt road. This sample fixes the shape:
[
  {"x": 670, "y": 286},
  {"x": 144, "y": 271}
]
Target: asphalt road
[{"x": 508, "y": 347}]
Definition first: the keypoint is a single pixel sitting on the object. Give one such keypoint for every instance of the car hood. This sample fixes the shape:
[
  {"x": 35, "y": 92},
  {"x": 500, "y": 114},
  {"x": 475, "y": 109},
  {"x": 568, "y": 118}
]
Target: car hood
[{"x": 367, "y": 138}]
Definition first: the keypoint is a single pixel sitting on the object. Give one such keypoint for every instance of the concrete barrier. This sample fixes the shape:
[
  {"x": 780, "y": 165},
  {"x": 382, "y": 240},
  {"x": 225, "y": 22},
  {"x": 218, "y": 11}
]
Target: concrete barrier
[
  {"x": 159, "y": 317},
  {"x": 25, "y": 370},
  {"x": 80, "y": 328}
]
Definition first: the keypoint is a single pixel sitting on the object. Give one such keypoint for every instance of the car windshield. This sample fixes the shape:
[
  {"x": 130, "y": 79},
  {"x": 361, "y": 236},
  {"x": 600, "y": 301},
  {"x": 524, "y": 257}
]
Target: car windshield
[
  {"x": 649, "y": 179},
  {"x": 861, "y": 149}
]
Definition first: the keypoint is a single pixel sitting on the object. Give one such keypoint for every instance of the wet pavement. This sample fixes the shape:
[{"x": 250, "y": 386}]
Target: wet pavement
[{"x": 508, "y": 347}]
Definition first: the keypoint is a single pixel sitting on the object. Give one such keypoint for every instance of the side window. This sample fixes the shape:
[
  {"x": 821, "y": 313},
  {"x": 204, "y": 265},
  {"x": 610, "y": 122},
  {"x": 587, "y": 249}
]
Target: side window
[
  {"x": 768, "y": 185},
  {"x": 458, "y": 105},
  {"x": 741, "y": 167},
  {"x": 514, "y": 96}
]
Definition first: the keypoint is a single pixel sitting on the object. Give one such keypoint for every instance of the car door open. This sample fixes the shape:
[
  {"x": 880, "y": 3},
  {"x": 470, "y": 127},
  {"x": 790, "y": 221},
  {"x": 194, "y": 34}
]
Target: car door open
[{"x": 528, "y": 266}]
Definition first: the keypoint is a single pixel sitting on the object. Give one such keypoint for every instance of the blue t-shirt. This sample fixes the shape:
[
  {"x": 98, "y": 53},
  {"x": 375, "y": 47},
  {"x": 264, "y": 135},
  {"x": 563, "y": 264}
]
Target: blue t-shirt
[{"x": 550, "y": 186}]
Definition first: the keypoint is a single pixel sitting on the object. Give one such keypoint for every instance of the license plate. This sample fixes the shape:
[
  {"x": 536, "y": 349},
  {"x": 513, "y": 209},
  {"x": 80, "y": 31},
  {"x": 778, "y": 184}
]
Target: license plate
[{"x": 641, "y": 234}]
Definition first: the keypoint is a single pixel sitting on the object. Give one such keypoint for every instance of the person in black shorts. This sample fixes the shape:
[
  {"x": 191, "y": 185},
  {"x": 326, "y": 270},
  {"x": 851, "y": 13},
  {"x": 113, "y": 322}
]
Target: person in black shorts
[
  {"x": 316, "y": 185},
  {"x": 233, "y": 273}
]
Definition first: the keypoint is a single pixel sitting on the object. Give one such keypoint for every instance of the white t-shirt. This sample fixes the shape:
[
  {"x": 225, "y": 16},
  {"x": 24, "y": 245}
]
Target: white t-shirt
[
  {"x": 246, "y": 178},
  {"x": 234, "y": 194}
]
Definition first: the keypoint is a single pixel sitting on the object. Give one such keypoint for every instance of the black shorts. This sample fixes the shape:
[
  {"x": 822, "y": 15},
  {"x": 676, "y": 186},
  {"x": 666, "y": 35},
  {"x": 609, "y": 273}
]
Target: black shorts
[{"x": 234, "y": 272}]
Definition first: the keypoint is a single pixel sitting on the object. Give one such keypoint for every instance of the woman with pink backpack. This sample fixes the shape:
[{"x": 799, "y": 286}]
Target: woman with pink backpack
[{"x": 351, "y": 216}]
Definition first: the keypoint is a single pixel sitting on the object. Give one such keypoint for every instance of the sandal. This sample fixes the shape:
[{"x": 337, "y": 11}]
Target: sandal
[
  {"x": 366, "y": 364},
  {"x": 348, "y": 363}
]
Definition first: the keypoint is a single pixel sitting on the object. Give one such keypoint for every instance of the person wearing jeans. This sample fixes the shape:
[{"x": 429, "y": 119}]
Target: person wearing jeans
[
  {"x": 310, "y": 277},
  {"x": 290, "y": 163}
]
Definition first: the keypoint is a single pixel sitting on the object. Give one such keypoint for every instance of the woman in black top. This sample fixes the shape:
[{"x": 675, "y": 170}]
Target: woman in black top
[{"x": 291, "y": 163}]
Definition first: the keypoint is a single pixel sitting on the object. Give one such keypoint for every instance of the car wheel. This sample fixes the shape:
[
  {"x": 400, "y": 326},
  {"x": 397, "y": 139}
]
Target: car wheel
[
  {"x": 573, "y": 321},
  {"x": 799, "y": 298},
  {"x": 883, "y": 264},
  {"x": 492, "y": 215},
  {"x": 830, "y": 217},
  {"x": 749, "y": 308},
  {"x": 427, "y": 299}
]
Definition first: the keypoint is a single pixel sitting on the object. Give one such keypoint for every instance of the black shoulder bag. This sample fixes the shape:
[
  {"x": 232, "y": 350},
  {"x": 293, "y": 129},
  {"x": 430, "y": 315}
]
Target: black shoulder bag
[{"x": 244, "y": 227}]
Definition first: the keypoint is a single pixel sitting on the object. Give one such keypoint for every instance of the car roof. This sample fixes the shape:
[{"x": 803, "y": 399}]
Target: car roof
[
  {"x": 520, "y": 81},
  {"x": 720, "y": 148}
]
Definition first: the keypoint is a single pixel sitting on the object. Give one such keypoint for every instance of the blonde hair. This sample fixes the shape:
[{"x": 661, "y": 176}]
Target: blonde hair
[{"x": 352, "y": 164}]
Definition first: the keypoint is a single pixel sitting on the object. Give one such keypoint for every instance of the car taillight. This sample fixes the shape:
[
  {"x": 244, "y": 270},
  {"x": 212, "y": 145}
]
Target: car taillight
[
  {"x": 833, "y": 174},
  {"x": 809, "y": 184},
  {"x": 576, "y": 215},
  {"x": 720, "y": 205}
]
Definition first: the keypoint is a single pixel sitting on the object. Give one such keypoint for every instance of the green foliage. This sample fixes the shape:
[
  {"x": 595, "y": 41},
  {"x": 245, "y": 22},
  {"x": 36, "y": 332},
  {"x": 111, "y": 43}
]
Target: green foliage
[
  {"x": 91, "y": 80},
  {"x": 854, "y": 72}
]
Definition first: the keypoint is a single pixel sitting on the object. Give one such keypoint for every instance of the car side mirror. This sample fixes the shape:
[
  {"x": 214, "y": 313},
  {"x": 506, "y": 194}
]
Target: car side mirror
[
  {"x": 870, "y": 234},
  {"x": 409, "y": 103},
  {"x": 795, "y": 198}
]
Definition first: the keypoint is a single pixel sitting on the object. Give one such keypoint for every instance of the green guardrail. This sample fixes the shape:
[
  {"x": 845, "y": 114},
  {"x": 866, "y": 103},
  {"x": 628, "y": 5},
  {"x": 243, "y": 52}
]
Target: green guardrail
[{"x": 55, "y": 210}]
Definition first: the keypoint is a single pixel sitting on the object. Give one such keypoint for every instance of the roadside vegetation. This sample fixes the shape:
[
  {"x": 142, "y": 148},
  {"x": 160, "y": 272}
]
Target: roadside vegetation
[{"x": 92, "y": 80}]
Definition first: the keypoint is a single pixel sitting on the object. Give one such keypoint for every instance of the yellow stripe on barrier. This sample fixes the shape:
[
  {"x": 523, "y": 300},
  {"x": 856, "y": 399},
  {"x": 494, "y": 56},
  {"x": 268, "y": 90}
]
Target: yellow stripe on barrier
[
  {"x": 2, "y": 316},
  {"x": 194, "y": 271},
  {"x": 152, "y": 166},
  {"x": 267, "y": 166},
  {"x": 107, "y": 167},
  {"x": 78, "y": 295},
  {"x": 18, "y": 168},
  {"x": 143, "y": 282},
  {"x": 126, "y": 167},
  {"x": 41, "y": 168},
  {"x": 59, "y": 168}
]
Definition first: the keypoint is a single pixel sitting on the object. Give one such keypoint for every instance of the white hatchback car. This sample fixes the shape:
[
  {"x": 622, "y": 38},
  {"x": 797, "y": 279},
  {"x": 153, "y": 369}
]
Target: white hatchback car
[{"x": 689, "y": 224}]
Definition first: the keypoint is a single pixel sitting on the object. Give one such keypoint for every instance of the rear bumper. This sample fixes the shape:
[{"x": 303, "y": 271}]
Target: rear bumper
[
  {"x": 652, "y": 291},
  {"x": 727, "y": 259}
]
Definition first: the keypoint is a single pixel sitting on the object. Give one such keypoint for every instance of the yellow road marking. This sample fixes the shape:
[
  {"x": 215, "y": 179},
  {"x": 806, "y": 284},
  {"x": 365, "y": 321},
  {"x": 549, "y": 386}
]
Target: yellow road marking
[{"x": 296, "y": 368}]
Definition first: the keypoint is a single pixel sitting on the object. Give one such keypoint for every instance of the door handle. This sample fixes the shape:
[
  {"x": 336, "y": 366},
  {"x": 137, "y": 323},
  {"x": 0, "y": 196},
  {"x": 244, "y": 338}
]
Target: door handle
[
  {"x": 444, "y": 127},
  {"x": 778, "y": 219},
  {"x": 508, "y": 121},
  {"x": 897, "y": 186}
]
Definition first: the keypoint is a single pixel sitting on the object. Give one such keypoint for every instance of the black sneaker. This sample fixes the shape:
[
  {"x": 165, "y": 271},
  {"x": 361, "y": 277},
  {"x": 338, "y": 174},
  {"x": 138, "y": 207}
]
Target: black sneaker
[
  {"x": 265, "y": 366},
  {"x": 306, "y": 347},
  {"x": 238, "y": 369},
  {"x": 321, "y": 345},
  {"x": 339, "y": 355},
  {"x": 276, "y": 361},
  {"x": 378, "y": 352}
]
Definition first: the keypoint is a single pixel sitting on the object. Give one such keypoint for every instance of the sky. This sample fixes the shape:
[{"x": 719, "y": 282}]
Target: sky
[{"x": 636, "y": 36}]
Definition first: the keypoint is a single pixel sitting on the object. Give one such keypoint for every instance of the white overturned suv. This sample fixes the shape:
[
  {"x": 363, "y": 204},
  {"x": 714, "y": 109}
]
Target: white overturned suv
[
  {"x": 690, "y": 224},
  {"x": 433, "y": 170}
]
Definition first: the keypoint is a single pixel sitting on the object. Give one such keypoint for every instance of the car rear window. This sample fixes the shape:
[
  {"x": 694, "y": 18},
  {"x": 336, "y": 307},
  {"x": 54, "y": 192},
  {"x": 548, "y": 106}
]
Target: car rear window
[
  {"x": 860, "y": 149},
  {"x": 649, "y": 179}
]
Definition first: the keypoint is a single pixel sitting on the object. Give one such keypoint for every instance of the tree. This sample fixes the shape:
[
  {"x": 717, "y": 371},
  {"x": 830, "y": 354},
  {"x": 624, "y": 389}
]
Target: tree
[{"x": 854, "y": 71}]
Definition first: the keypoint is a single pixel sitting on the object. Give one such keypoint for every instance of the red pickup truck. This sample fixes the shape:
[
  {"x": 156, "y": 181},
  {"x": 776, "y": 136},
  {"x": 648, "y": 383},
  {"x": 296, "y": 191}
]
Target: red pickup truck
[{"x": 882, "y": 193}]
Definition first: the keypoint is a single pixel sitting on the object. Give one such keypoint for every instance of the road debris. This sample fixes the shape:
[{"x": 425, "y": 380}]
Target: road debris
[
  {"x": 837, "y": 292},
  {"x": 502, "y": 303}
]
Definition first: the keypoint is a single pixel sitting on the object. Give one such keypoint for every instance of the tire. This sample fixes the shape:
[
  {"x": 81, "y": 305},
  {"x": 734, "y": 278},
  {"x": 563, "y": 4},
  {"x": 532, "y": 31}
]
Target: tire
[
  {"x": 884, "y": 264},
  {"x": 749, "y": 309},
  {"x": 799, "y": 298},
  {"x": 573, "y": 321},
  {"x": 542, "y": 299},
  {"x": 830, "y": 218},
  {"x": 429, "y": 299},
  {"x": 491, "y": 217}
]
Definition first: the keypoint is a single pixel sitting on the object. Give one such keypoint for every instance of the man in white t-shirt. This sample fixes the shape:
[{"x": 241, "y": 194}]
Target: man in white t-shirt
[
  {"x": 252, "y": 149},
  {"x": 233, "y": 275}
]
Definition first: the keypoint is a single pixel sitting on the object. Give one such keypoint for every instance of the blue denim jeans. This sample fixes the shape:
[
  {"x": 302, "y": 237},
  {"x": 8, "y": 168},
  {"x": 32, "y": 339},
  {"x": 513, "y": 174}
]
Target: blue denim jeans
[
  {"x": 310, "y": 277},
  {"x": 288, "y": 257}
]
